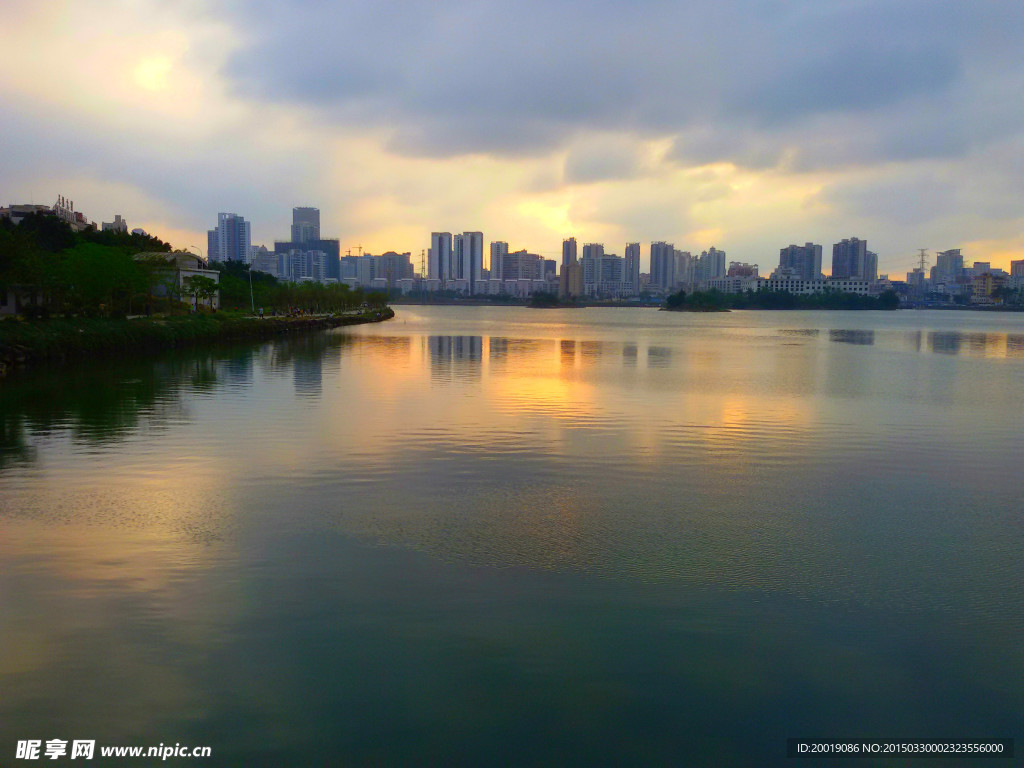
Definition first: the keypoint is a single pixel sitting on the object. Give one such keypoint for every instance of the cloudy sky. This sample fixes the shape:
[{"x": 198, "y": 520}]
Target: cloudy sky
[{"x": 746, "y": 125}]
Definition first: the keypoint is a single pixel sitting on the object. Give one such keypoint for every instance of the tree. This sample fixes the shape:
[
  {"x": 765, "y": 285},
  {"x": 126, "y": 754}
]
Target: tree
[{"x": 201, "y": 288}]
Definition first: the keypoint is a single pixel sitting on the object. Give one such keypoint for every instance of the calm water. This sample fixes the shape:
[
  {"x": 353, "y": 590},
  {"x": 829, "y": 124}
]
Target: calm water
[{"x": 501, "y": 536}]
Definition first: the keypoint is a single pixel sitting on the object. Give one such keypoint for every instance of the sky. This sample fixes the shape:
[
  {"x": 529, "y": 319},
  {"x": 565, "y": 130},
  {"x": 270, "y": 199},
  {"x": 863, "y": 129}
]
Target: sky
[{"x": 747, "y": 125}]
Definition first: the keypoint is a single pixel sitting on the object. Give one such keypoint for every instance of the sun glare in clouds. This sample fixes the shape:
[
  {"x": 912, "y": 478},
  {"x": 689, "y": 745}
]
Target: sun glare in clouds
[
  {"x": 152, "y": 72},
  {"x": 554, "y": 218}
]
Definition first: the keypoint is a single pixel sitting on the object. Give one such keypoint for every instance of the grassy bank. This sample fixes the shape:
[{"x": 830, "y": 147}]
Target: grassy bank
[{"x": 23, "y": 342}]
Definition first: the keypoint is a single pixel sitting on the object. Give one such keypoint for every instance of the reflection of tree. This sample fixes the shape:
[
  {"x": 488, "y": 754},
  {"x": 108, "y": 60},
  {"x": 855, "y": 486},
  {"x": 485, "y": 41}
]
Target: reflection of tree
[
  {"x": 106, "y": 400},
  {"x": 14, "y": 446}
]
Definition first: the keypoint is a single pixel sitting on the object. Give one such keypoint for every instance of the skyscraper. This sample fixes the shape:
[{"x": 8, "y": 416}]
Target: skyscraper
[
  {"x": 305, "y": 224},
  {"x": 230, "y": 240},
  {"x": 468, "y": 258},
  {"x": 499, "y": 250},
  {"x": 439, "y": 267},
  {"x": 684, "y": 267},
  {"x": 305, "y": 238},
  {"x": 849, "y": 258},
  {"x": 663, "y": 265},
  {"x": 632, "y": 267},
  {"x": 949, "y": 264},
  {"x": 568, "y": 251},
  {"x": 803, "y": 261},
  {"x": 591, "y": 261}
]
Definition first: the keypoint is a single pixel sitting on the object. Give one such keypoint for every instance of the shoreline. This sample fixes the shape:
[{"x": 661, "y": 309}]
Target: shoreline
[{"x": 24, "y": 343}]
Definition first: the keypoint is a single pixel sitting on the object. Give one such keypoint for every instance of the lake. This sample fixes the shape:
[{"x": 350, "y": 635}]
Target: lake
[{"x": 503, "y": 536}]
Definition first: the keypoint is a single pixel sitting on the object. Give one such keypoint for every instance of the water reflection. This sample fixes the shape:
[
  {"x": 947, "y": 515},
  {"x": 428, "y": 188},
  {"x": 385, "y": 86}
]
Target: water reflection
[
  {"x": 852, "y": 337},
  {"x": 976, "y": 344},
  {"x": 659, "y": 357},
  {"x": 573, "y": 538}
]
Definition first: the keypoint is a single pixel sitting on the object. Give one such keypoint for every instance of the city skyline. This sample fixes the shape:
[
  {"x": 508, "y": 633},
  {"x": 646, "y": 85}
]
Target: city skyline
[{"x": 891, "y": 120}]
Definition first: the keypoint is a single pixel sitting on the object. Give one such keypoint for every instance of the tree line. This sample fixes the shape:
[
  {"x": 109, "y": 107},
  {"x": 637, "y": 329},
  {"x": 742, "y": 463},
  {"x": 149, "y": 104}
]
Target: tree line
[
  {"x": 271, "y": 294},
  {"x": 51, "y": 269}
]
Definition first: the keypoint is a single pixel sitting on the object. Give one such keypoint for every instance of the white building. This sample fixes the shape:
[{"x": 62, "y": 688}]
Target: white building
[
  {"x": 440, "y": 256},
  {"x": 230, "y": 239},
  {"x": 468, "y": 261},
  {"x": 117, "y": 225}
]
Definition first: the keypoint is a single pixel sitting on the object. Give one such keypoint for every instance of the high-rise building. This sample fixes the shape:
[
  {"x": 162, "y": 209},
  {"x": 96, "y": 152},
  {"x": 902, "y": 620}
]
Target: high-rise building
[
  {"x": 949, "y": 265},
  {"x": 742, "y": 269},
  {"x": 663, "y": 265},
  {"x": 569, "y": 251},
  {"x": 801, "y": 261},
  {"x": 570, "y": 275},
  {"x": 870, "y": 266},
  {"x": 393, "y": 267},
  {"x": 632, "y": 267},
  {"x": 684, "y": 267},
  {"x": 230, "y": 240},
  {"x": 439, "y": 264},
  {"x": 849, "y": 258},
  {"x": 712, "y": 264},
  {"x": 499, "y": 250},
  {"x": 468, "y": 259},
  {"x": 520, "y": 265},
  {"x": 591, "y": 262},
  {"x": 1016, "y": 268},
  {"x": 305, "y": 224}
]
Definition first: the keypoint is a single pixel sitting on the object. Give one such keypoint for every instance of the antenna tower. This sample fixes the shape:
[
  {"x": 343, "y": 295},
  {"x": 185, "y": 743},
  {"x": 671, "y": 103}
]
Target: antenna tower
[{"x": 922, "y": 259}]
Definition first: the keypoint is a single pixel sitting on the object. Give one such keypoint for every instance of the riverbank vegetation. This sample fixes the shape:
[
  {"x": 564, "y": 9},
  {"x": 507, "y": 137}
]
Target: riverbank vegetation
[
  {"x": 50, "y": 271},
  {"x": 717, "y": 301},
  {"x": 24, "y": 341},
  {"x": 550, "y": 300}
]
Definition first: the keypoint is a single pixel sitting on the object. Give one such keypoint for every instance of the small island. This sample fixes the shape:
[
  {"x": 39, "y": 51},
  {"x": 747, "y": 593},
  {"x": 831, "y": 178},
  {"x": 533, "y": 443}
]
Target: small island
[
  {"x": 550, "y": 300},
  {"x": 717, "y": 301}
]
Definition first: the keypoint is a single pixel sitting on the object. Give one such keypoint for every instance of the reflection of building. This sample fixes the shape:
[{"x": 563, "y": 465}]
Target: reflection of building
[
  {"x": 458, "y": 356},
  {"x": 308, "y": 374},
  {"x": 852, "y": 337},
  {"x": 446, "y": 349}
]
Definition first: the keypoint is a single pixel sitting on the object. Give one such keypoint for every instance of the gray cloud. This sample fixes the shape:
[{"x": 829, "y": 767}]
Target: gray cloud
[{"x": 738, "y": 81}]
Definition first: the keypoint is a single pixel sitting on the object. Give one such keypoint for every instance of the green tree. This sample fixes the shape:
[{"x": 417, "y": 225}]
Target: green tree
[{"x": 201, "y": 288}]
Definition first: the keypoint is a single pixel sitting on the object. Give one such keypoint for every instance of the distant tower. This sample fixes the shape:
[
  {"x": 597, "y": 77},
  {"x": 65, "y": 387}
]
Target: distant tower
[
  {"x": 850, "y": 259},
  {"x": 499, "y": 250},
  {"x": 663, "y": 265},
  {"x": 569, "y": 251},
  {"x": 230, "y": 240},
  {"x": 468, "y": 259},
  {"x": 305, "y": 224},
  {"x": 440, "y": 265},
  {"x": 632, "y": 266}
]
